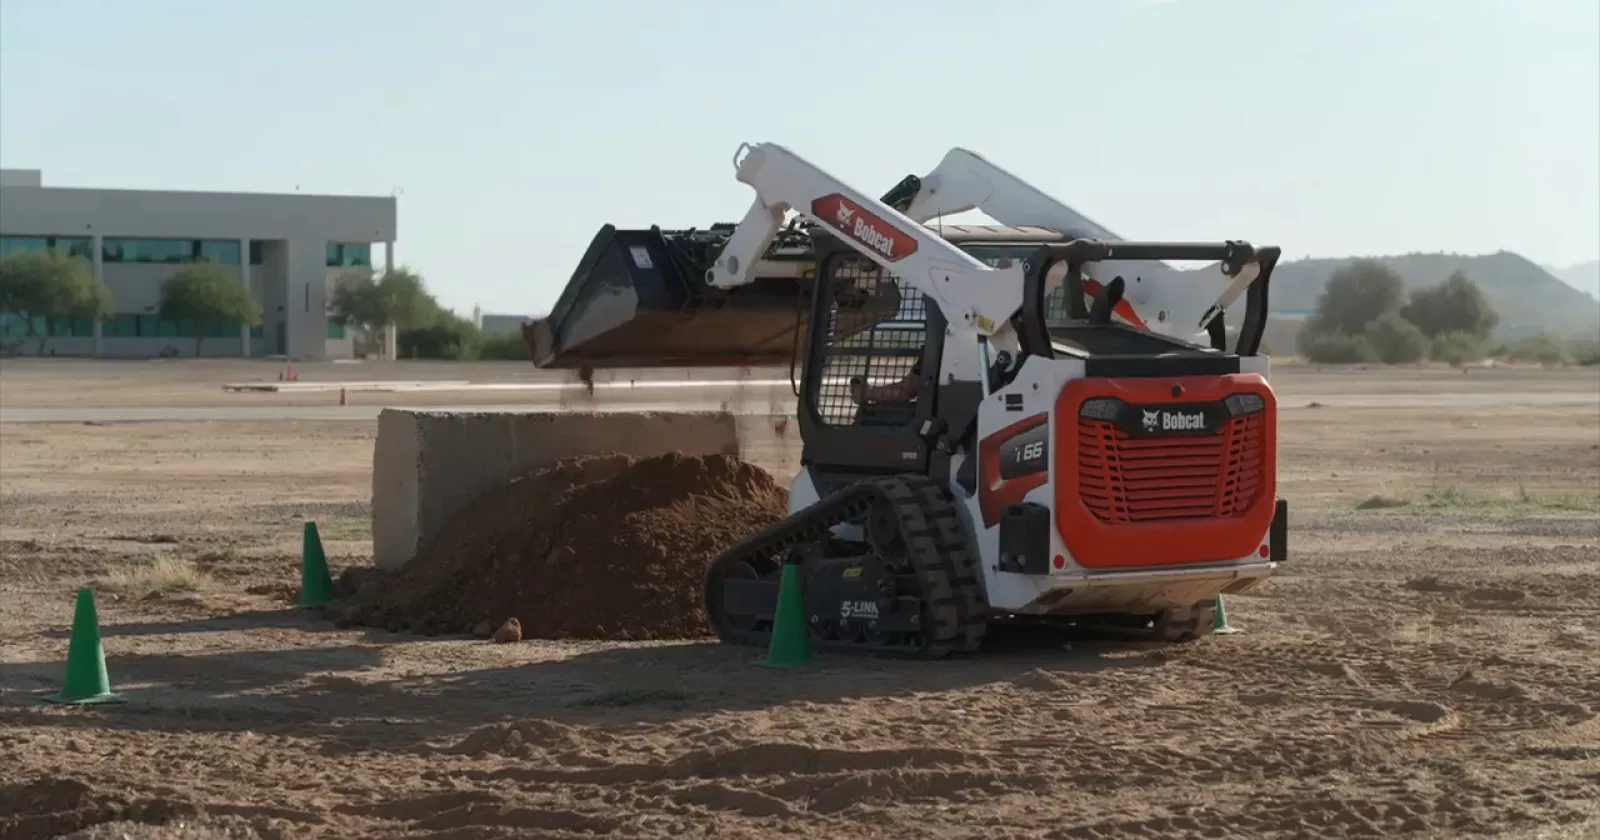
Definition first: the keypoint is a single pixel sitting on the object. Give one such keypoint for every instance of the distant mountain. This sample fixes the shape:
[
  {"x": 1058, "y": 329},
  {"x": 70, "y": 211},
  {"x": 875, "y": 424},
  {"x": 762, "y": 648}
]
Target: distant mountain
[
  {"x": 1528, "y": 297},
  {"x": 1585, "y": 277}
]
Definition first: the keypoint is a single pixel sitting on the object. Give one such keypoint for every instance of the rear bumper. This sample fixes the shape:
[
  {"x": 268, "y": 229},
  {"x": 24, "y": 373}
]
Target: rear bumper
[
  {"x": 1140, "y": 591},
  {"x": 1224, "y": 573},
  {"x": 1150, "y": 589}
]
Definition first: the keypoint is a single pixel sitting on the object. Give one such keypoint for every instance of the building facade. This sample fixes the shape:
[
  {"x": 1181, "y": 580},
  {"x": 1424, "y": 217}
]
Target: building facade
[{"x": 288, "y": 250}]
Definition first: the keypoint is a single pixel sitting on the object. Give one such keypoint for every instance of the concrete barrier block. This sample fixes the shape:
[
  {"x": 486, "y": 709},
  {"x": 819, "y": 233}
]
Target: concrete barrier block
[
  {"x": 771, "y": 443},
  {"x": 429, "y": 464}
]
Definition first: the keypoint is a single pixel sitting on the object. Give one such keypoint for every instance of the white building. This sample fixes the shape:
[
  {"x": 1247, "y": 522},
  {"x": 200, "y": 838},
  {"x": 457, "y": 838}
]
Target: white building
[
  {"x": 502, "y": 324},
  {"x": 288, "y": 249}
]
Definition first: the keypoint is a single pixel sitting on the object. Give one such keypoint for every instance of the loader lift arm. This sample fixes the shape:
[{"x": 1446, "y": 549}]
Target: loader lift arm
[
  {"x": 973, "y": 296},
  {"x": 1180, "y": 304}
]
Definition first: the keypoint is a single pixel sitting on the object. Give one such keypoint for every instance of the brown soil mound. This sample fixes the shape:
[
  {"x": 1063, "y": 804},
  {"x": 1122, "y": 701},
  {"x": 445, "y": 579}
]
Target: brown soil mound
[{"x": 609, "y": 547}]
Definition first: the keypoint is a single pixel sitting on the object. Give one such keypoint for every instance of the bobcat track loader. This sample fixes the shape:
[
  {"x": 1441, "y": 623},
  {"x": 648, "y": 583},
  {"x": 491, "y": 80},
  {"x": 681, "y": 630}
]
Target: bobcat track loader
[{"x": 1032, "y": 421}]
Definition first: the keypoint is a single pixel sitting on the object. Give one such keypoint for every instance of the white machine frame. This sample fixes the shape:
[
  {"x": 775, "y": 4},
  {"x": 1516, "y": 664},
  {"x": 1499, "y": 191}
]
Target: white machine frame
[{"x": 981, "y": 300}]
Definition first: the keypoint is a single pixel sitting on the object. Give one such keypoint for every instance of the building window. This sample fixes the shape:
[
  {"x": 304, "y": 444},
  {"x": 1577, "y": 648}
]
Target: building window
[
  {"x": 122, "y": 325},
  {"x": 149, "y": 250},
  {"x": 171, "y": 251},
  {"x": 129, "y": 325},
  {"x": 71, "y": 327},
  {"x": 225, "y": 251},
  {"x": 16, "y": 326},
  {"x": 76, "y": 246},
  {"x": 257, "y": 247},
  {"x": 335, "y": 329},
  {"x": 222, "y": 329},
  {"x": 22, "y": 245},
  {"x": 349, "y": 254}
]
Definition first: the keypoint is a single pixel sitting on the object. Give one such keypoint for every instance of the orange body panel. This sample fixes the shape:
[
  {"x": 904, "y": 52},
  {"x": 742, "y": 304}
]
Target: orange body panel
[
  {"x": 1128, "y": 501},
  {"x": 995, "y": 492}
]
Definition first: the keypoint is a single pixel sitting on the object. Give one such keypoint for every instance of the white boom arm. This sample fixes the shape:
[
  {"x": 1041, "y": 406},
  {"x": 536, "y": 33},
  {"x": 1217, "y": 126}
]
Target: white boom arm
[
  {"x": 1165, "y": 300},
  {"x": 973, "y": 296}
]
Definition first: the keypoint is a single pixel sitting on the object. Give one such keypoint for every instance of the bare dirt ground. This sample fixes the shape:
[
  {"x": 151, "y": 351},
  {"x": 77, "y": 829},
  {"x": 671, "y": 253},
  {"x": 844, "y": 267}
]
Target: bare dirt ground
[
  {"x": 1427, "y": 666},
  {"x": 63, "y": 383},
  {"x": 77, "y": 383}
]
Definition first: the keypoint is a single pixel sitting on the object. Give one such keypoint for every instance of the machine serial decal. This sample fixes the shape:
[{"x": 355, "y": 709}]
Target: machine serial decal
[
  {"x": 1012, "y": 462},
  {"x": 1026, "y": 454},
  {"x": 864, "y": 227}
]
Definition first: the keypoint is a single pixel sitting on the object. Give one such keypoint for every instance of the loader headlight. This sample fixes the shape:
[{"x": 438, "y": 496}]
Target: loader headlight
[
  {"x": 1242, "y": 404},
  {"x": 1103, "y": 408}
]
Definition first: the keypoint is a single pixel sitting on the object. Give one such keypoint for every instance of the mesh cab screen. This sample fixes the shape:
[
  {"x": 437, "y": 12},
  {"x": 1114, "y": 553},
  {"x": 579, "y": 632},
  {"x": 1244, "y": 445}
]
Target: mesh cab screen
[{"x": 875, "y": 331}]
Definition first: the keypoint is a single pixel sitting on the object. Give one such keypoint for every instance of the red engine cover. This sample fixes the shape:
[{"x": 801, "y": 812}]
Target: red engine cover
[{"x": 1165, "y": 471}]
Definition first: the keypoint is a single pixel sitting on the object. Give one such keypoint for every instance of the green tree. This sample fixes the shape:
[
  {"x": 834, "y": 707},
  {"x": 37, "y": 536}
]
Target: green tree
[
  {"x": 1355, "y": 296},
  {"x": 45, "y": 285},
  {"x": 207, "y": 292},
  {"x": 397, "y": 298},
  {"x": 1397, "y": 341},
  {"x": 1456, "y": 305}
]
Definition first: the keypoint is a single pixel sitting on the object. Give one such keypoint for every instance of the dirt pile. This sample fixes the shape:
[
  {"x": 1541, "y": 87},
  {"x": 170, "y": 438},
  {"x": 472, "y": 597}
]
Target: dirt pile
[{"x": 608, "y": 547}]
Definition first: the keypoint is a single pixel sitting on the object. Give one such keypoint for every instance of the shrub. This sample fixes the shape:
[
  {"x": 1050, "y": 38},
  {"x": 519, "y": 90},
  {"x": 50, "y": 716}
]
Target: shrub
[
  {"x": 1457, "y": 348},
  {"x": 505, "y": 347},
  {"x": 1397, "y": 341},
  {"x": 1584, "y": 351},
  {"x": 1335, "y": 348},
  {"x": 1544, "y": 348},
  {"x": 450, "y": 338}
]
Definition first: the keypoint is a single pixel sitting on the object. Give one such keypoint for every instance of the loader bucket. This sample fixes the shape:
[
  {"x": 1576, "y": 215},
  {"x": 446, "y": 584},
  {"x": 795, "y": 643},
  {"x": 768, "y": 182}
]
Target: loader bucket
[{"x": 640, "y": 300}]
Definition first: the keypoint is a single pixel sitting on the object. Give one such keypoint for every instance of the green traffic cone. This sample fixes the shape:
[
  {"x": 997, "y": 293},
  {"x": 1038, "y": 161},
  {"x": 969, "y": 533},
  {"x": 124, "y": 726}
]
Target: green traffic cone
[
  {"x": 316, "y": 585},
  {"x": 791, "y": 642},
  {"x": 87, "y": 682},
  {"x": 1219, "y": 623}
]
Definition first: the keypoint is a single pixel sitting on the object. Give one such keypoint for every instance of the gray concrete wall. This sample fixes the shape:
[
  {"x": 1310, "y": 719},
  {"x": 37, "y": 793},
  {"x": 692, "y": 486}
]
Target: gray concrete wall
[{"x": 427, "y": 465}]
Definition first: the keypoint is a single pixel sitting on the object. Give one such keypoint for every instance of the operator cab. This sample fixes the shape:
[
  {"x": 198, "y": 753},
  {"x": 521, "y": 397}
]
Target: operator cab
[{"x": 1064, "y": 314}]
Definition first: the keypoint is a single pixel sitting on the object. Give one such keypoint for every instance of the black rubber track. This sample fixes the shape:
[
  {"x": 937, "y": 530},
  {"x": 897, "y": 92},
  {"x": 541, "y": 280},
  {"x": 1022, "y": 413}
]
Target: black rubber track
[{"x": 932, "y": 543}]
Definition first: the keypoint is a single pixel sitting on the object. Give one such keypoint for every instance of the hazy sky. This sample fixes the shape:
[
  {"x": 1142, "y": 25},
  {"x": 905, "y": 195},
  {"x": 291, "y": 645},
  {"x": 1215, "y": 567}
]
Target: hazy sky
[{"x": 514, "y": 129}]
